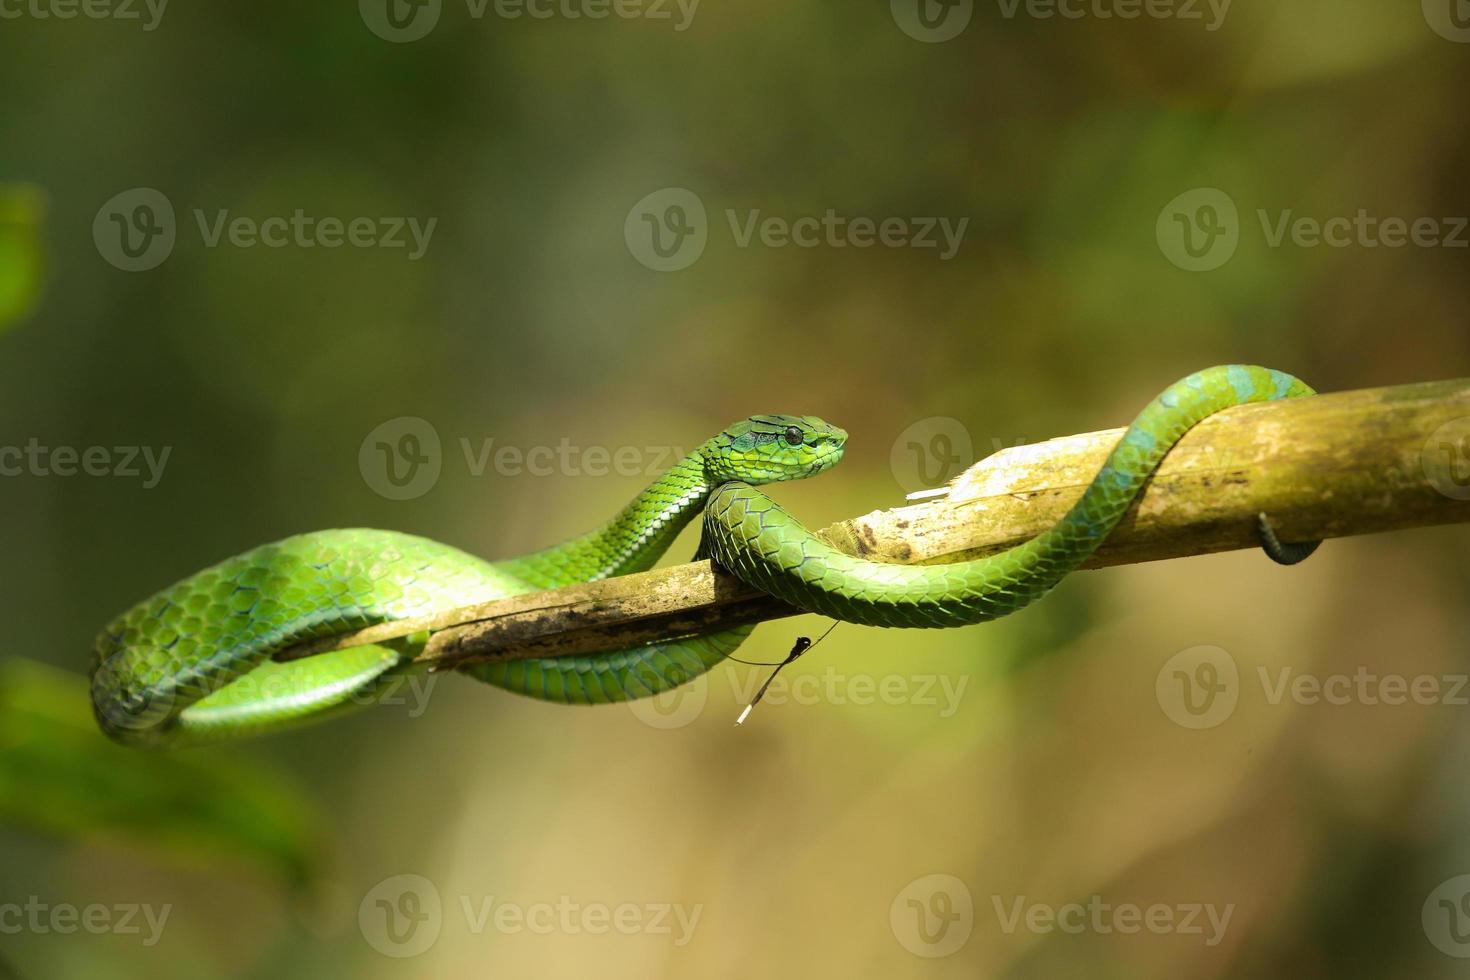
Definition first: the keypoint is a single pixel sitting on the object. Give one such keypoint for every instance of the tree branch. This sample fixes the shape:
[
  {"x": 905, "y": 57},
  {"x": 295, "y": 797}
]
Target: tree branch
[{"x": 1347, "y": 463}]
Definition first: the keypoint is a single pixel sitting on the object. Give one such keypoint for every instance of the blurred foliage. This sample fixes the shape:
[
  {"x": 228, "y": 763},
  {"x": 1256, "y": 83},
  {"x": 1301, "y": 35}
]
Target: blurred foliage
[
  {"x": 21, "y": 210},
  {"x": 1054, "y": 775},
  {"x": 61, "y": 778}
]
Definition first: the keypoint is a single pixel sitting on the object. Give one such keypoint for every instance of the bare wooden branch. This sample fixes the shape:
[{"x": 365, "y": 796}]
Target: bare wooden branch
[{"x": 1353, "y": 462}]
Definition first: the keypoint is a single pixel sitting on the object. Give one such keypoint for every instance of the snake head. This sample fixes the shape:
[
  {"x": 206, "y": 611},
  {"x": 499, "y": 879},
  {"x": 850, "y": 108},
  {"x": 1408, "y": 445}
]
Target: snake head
[{"x": 771, "y": 448}]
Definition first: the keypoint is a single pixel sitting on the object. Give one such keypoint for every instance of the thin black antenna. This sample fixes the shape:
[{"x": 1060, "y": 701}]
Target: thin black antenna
[{"x": 802, "y": 645}]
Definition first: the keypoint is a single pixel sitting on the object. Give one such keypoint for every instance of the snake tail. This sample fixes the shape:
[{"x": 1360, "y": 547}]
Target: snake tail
[{"x": 762, "y": 544}]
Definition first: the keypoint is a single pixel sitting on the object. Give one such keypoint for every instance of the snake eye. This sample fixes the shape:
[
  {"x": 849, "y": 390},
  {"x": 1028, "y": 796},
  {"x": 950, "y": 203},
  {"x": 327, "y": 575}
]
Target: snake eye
[{"x": 793, "y": 435}]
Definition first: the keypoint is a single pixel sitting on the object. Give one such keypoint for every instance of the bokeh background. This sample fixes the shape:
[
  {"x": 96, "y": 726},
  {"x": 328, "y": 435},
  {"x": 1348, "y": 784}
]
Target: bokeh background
[{"x": 1029, "y": 763}]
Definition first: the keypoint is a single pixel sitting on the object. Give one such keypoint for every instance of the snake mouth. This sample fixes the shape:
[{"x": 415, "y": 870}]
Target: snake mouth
[{"x": 829, "y": 453}]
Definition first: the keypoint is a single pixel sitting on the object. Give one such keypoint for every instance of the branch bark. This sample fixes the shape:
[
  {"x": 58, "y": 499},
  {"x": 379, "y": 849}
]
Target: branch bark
[{"x": 1353, "y": 462}]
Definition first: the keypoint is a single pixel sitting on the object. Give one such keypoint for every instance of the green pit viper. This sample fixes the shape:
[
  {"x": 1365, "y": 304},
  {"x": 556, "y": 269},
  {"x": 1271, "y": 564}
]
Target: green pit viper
[{"x": 194, "y": 662}]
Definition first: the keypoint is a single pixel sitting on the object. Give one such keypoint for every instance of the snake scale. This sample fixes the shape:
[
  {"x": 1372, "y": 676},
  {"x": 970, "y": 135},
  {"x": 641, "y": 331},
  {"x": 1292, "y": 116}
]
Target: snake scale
[{"x": 193, "y": 662}]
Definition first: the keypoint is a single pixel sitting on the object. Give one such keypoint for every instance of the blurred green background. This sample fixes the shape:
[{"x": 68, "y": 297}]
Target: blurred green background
[{"x": 1050, "y": 771}]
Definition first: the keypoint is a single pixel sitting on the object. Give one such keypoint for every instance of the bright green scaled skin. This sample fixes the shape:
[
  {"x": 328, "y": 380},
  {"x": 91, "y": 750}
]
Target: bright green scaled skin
[
  {"x": 763, "y": 545},
  {"x": 202, "y": 647},
  {"x": 193, "y": 662}
]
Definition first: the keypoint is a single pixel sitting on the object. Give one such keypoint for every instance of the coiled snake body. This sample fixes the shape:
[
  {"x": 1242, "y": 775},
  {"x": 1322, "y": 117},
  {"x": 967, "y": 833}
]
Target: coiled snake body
[{"x": 193, "y": 662}]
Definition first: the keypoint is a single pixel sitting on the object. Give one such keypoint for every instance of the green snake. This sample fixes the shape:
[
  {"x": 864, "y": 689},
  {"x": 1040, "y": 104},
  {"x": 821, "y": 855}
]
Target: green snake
[{"x": 194, "y": 661}]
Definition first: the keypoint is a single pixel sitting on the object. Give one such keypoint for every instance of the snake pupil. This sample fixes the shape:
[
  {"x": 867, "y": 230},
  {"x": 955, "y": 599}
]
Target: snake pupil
[{"x": 793, "y": 435}]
